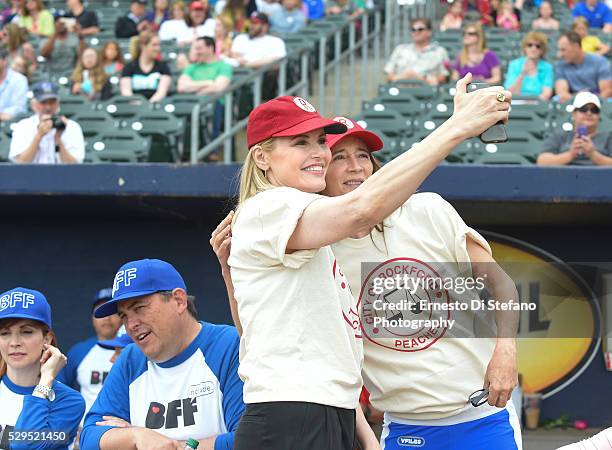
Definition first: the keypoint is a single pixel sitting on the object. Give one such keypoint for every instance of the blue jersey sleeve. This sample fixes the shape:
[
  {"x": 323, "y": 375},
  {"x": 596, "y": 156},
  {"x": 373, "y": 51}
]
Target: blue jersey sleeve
[
  {"x": 75, "y": 356},
  {"x": 61, "y": 416},
  {"x": 113, "y": 399},
  {"x": 222, "y": 357}
]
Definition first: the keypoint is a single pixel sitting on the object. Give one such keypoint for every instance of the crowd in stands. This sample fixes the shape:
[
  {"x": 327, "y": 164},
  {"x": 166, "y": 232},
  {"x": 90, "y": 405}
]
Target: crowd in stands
[{"x": 581, "y": 62}]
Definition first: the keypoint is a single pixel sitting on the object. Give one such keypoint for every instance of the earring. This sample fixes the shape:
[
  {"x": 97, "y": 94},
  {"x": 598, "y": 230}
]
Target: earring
[{"x": 265, "y": 173}]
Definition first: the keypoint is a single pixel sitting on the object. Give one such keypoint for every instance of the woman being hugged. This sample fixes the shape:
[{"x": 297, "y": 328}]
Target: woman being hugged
[
  {"x": 41, "y": 413},
  {"x": 301, "y": 346}
]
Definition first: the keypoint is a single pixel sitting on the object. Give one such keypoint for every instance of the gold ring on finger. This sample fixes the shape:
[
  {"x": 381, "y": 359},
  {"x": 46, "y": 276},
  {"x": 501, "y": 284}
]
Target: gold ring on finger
[{"x": 501, "y": 97}]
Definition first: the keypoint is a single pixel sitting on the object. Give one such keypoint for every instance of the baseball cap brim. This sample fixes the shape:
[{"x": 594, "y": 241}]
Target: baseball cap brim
[
  {"x": 314, "y": 123},
  {"x": 120, "y": 342},
  {"x": 45, "y": 97},
  {"x": 110, "y": 307},
  {"x": 371, "y": 140},
  {"x": 24, "y": 316}
]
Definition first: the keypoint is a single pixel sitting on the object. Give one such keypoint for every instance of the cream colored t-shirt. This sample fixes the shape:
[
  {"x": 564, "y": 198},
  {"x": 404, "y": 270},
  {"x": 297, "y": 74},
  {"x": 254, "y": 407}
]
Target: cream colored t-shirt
[
  {"x": 301, "y": 336},
  {"x": 423, "y": 375}
]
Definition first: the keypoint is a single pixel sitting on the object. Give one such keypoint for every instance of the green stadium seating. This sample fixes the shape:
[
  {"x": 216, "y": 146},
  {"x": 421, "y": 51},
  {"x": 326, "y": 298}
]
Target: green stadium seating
[
  {"x": 125, "y": 108},
  {"x": 5, "y": 146},
  {"x": 94, "y": 122},
  {"x": 166, "y": 132},
  {"x": 118, "y": 146}
]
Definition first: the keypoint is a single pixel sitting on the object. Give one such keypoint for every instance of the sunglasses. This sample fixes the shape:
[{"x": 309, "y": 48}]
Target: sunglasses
[
  {"x": 419, "y": 29},
  {"x": 532, "y": 44},
  {"x": 470, "y": 33},
  {"x": 589, "y": 108},
  {"x": 479, "y": 397}
]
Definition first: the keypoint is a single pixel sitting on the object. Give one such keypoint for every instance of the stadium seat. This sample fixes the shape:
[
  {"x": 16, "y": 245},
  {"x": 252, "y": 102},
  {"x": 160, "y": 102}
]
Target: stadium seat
[
  {"x": 166, "y": 131},
  {"x": 71, "y": 105},
  {"x": 5, "y": 145},
  {"x": 390, "y": 122},
  {"x": 118, "y": 146},
  {"x": 93, "y": 122},
  {"x": 125, "y": 108},
  {"x": 406, "y": 105}
]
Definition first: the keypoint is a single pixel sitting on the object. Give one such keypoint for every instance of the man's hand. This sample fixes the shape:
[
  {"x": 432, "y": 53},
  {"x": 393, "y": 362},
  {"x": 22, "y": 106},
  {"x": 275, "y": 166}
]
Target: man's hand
[
  {"x": 45, "y": 125},
  {"x": 146, "y": 439},
  {"x": 576, "y": 147},
  {"x": 588, "y": 149},
  {"x": 58, "y": 133},
  {"x": 502, "y": 373}
]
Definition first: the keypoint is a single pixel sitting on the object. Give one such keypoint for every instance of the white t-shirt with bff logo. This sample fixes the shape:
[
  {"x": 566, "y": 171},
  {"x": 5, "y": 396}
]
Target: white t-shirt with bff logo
[
  {"x": 301, "y": 336},
  {"x": 425, "y": 374}
]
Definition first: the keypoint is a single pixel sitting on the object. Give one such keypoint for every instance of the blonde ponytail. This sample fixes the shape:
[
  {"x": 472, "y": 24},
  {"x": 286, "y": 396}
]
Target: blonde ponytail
[{"x": 252, "y": 179}]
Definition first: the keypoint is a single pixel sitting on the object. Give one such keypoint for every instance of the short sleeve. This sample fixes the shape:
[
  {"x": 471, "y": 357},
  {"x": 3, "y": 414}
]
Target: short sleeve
[
  {"x": 514, "y": 69},
  {"x": 163, "y": 68},
  {"x": 189, "y": 71},
  {"x": 492, "y": 59},
  {"x": 552, "y": 144},
  {"x": 20, "y": 140},
  {"x": 607, "y": 17},
  {"x": 547, "y": 75},
  {"x": 226, "y": 71},
  {"x": 603, "y": 69},
  {"x": 390, "y": 67},
  {"x": 264, "y": 225},
  {"x": 128, "y": 70},
  {"x": 560, "y": 72}
]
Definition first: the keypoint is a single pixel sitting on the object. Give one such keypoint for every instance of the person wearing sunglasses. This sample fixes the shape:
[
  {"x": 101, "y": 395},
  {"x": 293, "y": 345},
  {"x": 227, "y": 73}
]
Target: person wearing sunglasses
[
  {"x": 421, "y": 59},
  {"x": 476, "y": 58},
  {"x": 585, "y": 145},
  {"x": 577, "y": 71},
  {"x": 531, "y": 75}
]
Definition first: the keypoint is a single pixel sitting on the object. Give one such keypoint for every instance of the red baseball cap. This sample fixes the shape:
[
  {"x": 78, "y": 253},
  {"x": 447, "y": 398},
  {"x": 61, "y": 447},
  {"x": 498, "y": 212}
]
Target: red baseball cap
[
  {"x": 287, "y": 116},
  {"x": 196, "y": 5},
  {"x": 372, "y": 141}
]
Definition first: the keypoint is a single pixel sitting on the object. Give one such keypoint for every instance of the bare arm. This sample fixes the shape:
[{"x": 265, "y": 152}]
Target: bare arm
[
  {"x": 125, "y": 86},
  {"x": 496, "y": 76},
  {"x": 47, "y": 48},
  {"x": 186, "y": 85},
  {"x": 546, "y": 94},
  {"x": 218, "y": 85},
  {"x": 330, "y": 220},
  {"x": 502, "y": 374},
  {"x": 261, "y": 62},
  {"x": 605, "y": 88},
  {"x": 562, "y": 90},
  {"x": 600, "y": 159},
  {"x": 137, "y": 438},
  {"x": 162, "y": 88},
  {"x": 365, "y": 435}
]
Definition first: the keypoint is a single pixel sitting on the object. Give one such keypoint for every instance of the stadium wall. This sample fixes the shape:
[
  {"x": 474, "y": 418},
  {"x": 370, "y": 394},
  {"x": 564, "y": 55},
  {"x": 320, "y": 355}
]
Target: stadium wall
[{"x": 67, "y": 229}]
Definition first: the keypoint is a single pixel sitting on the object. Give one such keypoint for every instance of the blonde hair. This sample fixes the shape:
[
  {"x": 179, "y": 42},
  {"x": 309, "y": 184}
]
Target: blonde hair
[
  {"x": 252, "y": 179},
  {"x": 536, "y": 36},
  {"x": 16, "y": 36},
  {"x": 580, "y": 21},
  {"x": 6, "y": 323},
  {"x": 97, "y": 74},
  {"x": 482, "y": 42},
  {"x": 138, "y": 42},
  {"x": 39, "y": 6}
]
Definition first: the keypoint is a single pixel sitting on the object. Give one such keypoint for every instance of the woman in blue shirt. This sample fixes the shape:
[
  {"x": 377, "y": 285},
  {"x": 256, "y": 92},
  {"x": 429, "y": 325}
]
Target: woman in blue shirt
[
  {"x": 531, "y": 75},
  {"x": 37, "y": 413}
]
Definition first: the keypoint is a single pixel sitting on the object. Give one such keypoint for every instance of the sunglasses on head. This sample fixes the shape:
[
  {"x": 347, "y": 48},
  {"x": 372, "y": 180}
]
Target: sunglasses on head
[
  {"x": 470, "y": 33},
  {"x": 589, "y": 108},
  {"x": 533, "y": 44},
  {"x": 419, "y": 29},
  {"x": 479, "y": 397}
]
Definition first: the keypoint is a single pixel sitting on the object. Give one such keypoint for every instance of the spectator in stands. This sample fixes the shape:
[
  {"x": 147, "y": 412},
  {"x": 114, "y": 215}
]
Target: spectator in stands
[
  {"x": 596, "y": 12},
  {"x": 88, "y": 363},
  {"x": 89, "y": 78},
  {"x": 506, "y": 18},
  {"x": 176, "y": 25},
  {"x": 159, "y": 14},
  {"x": 531, "y": 75},
  {"x": 36, "y": 18},
  {"x": 579, "y": 71},
  {"x": 290, "y": 18},
  {"x": 422, "y": 59},
  {"x": 145, "y": 74},
  {"x": 223, "y": 39},
  {"x": 234, "y": 14},
  {"x": 257, "y": 48},
  {"x": 12, "y": 11},
  {"x": 135, "y": 22},
  {"x": 316, "y": 8},
  {"x": 479, "y": 8},
  {"x": 62, "y": 49},
  {"x": 583, "y": 146},
  {"x": 31, "y": 397},
  {"x": 476, "y": 58},
  {"x": 453, "y": 19},
  {"x": 22, "y": 57},
  {"x": 86, "y": 21},
  {"x": 46, "y": 137},
  {"x": 269, "y": 7},
  {"x": 545, "y": 20},
  {"x": 198, "y": 23},
  {"x": 13, "y": 88},
  {"x": 111, "y": 58},
  {"x": 208, "y": 75},
  {"x": 174, "y": 354},
  {"x": 348, "y": 7},
  {"x": 589, "y": 43}
]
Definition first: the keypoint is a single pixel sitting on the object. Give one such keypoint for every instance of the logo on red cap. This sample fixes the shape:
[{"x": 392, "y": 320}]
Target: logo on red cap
[
  {"x": 348, "y": 123},
  {"x": 304, "y": 104}
]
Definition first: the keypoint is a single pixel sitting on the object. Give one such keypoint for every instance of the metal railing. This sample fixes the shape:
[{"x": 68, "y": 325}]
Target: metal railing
[{"x": 335, "y": 46}]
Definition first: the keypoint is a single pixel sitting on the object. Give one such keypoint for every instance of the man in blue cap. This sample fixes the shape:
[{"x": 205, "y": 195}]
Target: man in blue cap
[
  {"x": 88, "y": 363},
  {"x": 179, "y": 381},
  {"x": 46, "y": 137},
  {"x": 117, "y": 344}
]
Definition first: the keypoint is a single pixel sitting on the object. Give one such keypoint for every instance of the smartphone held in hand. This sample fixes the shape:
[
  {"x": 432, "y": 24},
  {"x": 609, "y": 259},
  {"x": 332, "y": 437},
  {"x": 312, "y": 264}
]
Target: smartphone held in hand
[{"x": 495, "y": 134}]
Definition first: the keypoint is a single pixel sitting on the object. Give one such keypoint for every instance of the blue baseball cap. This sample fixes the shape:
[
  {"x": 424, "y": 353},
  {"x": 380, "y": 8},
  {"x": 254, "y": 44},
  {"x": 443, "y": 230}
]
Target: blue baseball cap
[
  {"x": 102, "y": 295},
  {"x": 22, "y": 303},
  {"x": 121, "y": 340},
  {"x": 138, "y": 278},
  {"x": 45, "y": 90}
]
